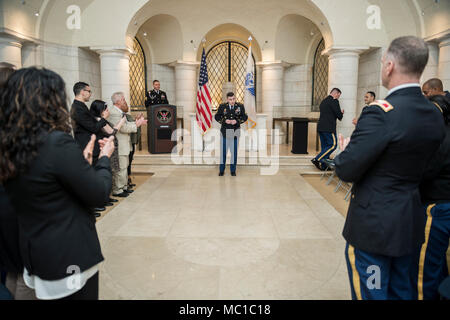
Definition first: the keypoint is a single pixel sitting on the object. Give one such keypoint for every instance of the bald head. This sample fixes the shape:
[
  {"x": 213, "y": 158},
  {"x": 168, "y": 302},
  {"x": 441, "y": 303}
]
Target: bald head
[{"x": 433, "y": 87}]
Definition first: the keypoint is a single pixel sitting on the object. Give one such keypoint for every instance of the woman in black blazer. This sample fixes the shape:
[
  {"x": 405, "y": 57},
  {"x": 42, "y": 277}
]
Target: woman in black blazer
[{"x": 51, "y": 185}]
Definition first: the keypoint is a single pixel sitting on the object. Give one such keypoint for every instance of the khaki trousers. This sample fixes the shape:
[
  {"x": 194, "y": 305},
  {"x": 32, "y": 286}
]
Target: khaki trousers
[
  {"x": 18, "y": 288},
  {"x": 121, "y": 177}
]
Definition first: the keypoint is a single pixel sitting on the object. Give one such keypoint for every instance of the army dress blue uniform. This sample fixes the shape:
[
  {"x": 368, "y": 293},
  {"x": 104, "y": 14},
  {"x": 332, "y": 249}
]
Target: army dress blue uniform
[
  {"x": 387, "y": 155},
  {"x": 330, "y": 111},
  {"x": 230, "y": 133},
  {"x": 154, "y": 97},
  {"x": 431, "y": 260}
]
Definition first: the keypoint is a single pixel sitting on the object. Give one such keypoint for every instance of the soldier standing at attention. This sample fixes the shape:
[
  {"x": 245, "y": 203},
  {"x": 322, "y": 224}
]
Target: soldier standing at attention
[
  {"x": 155, "y": 96},
  {"x": 385, "y": 159},
  {"x": 230, "y": 115}
]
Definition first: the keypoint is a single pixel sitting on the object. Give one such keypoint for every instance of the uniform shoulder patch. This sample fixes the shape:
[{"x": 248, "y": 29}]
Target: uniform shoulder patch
[{"x": 383, "y": 104}]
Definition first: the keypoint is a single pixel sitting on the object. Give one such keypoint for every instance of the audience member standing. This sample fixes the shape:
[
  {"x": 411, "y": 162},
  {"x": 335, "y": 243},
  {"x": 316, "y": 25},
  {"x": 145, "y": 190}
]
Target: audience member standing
[
  {"x": 10, "y": 259},
  {"x": 51, "y": 184},
  {"x": 434, "y": 87},
  {"x": 369, "y": 97},
  {"x": 100, "y": 111},
  {"x": 117, "y": 112},
  {"x": 84, "y": 122},
  {"x": 385, "y": 159},
  {"x": 431, "y": 260}
]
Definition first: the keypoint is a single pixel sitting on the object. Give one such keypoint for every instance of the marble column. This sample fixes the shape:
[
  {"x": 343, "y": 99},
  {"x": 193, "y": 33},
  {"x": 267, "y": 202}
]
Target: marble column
[
  {"x": 343, "y": 74},
  {"x": 186, "y": 86},
  {"x": 11, "y": 51},
  {"x": 272, "y": 78},
  {"x": 444, "y": 61},
  {"x": 115, "y": 72}
]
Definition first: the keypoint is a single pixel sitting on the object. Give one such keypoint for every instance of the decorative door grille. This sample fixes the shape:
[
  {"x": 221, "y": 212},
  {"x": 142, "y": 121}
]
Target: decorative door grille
[
  {"x": 138, "y": 76},
  {"x": 227, "y": 62},
  {"x": 320, "y": 77}
]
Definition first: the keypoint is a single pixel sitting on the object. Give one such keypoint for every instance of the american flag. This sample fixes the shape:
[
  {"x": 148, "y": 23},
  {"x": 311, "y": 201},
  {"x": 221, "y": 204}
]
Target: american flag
[{"x": 203, "y": 111}]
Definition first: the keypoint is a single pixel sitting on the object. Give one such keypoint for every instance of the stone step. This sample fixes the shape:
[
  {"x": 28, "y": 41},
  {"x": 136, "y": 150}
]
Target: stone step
[
  {"x": 145, "y": 163},
  {"x": 209, "y": 160}
]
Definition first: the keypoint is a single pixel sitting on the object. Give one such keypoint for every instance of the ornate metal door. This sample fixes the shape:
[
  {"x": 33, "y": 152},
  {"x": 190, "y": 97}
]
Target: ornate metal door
[
  {"x": 320, "y": 77},
  {"x": 138, "y": 77},
  {"x": 227, "y": 62}
]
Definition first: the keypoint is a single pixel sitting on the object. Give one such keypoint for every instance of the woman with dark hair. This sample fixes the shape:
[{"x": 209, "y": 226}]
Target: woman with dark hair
[
  {"x": 99, "y": 109},
  {"x": 10, "y": 260},
  {"x": 51, "y": 185},
  {"x": 435, "y": 192}
]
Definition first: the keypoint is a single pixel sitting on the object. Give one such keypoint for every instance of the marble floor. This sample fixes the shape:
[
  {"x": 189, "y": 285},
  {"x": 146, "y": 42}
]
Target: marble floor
[{"x": 188, "y": 234}]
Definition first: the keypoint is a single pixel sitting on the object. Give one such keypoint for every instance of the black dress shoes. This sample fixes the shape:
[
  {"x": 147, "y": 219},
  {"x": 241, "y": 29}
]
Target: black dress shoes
[
  {"x": 109, "y": 204},
  {"x": 131, "y": 185},
  {"x": 99, "y": 209},
  {"x": 233, "y": 174},
  {"x": 317, "y": 164},
  {"x": 111, "y": 200},
  {"x": 221, "y": 174},
  {"x": 122, "y": 195},
  {"x": 128, "y": 191},
  {"x": 97, "y": 215}
]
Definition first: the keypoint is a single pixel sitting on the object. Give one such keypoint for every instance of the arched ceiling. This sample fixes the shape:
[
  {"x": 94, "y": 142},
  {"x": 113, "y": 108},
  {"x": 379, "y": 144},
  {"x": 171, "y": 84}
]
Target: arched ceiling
[{"x": 109, "y": 22}]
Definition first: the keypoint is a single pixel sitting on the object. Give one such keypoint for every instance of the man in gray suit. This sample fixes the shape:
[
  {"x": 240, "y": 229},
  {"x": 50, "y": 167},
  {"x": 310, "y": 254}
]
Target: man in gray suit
[{"x": 117, "y": 111}]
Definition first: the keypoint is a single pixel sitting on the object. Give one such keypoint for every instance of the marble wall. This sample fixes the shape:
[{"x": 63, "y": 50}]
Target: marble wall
[
  {"x": 71, "y": 63},
  {"x": 89, "y": 71},
  {"x": 369, "y": 77},
  {"x": 297, "y": 88},
  {"x": 431, "y": 70}
]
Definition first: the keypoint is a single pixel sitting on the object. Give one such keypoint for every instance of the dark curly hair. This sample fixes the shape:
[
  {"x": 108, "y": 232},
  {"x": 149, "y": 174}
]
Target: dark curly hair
[{"x": 33, "y": 103}]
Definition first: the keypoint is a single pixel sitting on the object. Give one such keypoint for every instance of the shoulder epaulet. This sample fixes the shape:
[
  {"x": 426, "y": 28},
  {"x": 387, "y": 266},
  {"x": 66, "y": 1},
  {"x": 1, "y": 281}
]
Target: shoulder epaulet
[{"x": 383, "y": 104}]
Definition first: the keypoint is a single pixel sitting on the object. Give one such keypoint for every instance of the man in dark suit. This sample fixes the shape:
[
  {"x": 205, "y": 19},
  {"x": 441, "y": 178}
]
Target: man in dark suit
[
  {"x": 385, "y": 159},
  {"x": 330, "y": 110},
  {"x": 156, "y": 96},
  {"x": 230, "y": 115},
  {"x": 85, "y": 124}
]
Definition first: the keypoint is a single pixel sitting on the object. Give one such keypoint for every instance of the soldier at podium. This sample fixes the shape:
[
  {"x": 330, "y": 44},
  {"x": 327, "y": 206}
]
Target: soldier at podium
[{"x": 155, "y": 96}]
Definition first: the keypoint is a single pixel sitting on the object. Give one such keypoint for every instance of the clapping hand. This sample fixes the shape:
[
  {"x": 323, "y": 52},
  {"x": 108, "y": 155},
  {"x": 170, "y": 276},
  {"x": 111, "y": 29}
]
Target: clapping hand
[
  {"x": 140, "y": 121},
  {"x": 106, "y": 147},
  {"x": 343, "y": 143},
  {"x": 88, "y": 151}
]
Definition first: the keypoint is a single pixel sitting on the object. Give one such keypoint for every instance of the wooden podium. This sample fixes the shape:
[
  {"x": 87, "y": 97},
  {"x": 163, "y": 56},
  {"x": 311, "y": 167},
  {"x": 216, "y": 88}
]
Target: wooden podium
[{"x": 162, "y": 123}]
